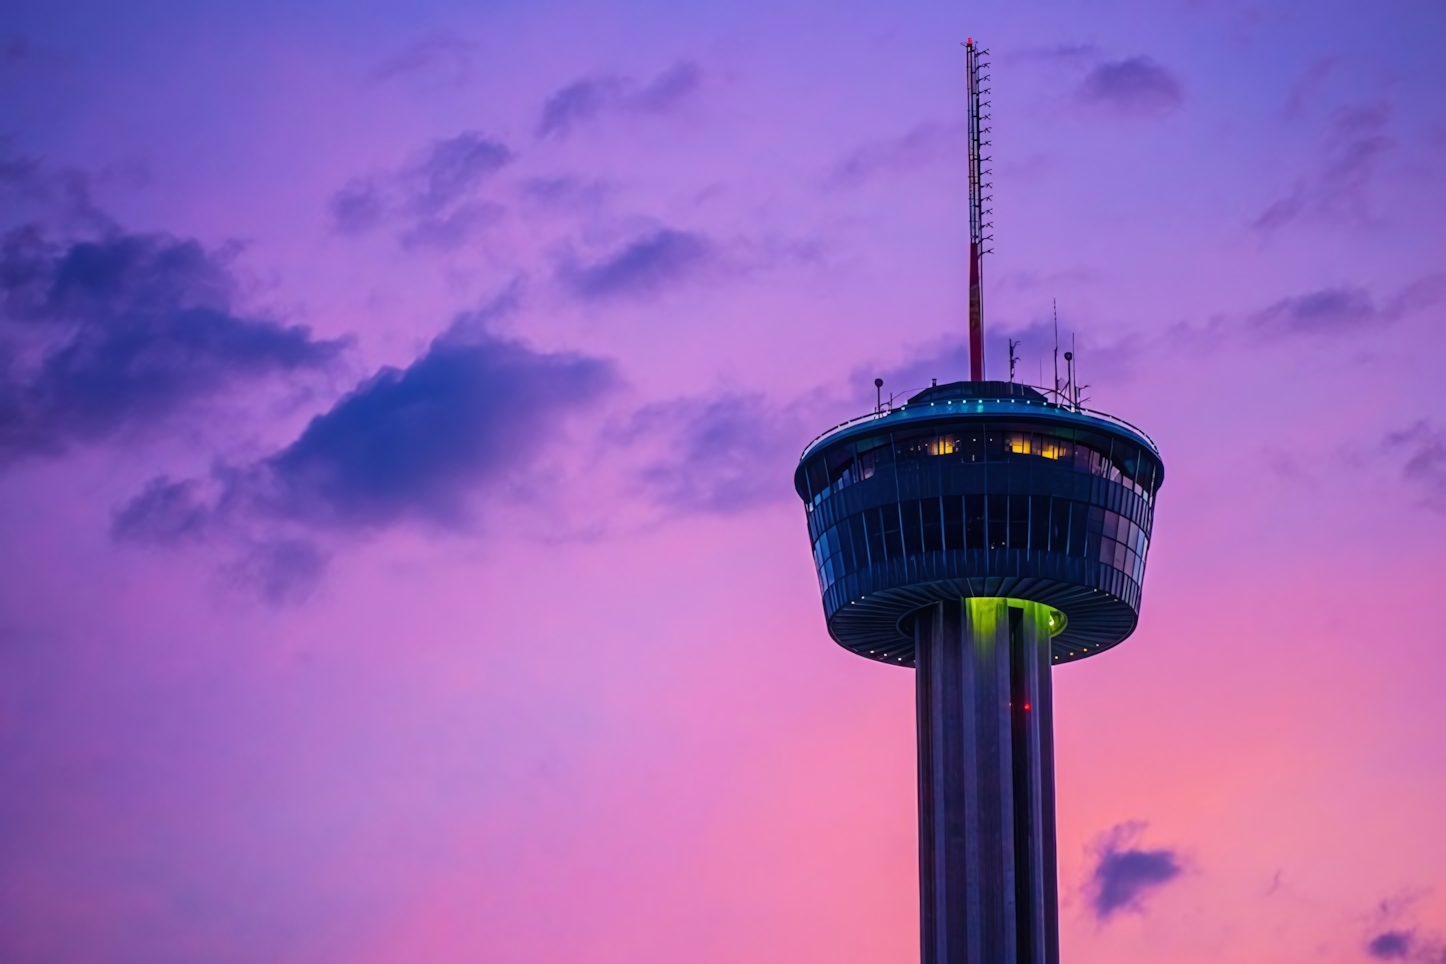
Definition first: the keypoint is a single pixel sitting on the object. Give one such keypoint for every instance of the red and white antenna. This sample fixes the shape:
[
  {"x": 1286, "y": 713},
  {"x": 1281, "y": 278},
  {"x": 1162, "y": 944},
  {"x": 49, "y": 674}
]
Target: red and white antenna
[{"x": 977, "y": 68}]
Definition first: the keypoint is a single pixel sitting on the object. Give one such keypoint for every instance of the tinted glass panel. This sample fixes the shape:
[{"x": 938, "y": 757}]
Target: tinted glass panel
[
  {"x": 860, "y": 541},
  {"x": 1078, "y": 517},
  {"x": 910, "y": 512},
  {"x": 1039, "y": 522},
  {"x": 933, "y": 530},
  {"x": 974, "y": 521},
  {"x": 997, "y": 532},
  {"x": 893, "y": 545},
  {"x": 1019, "y": 522},
  {"x": 817, "y": 477},
  {"x": 953, "y": 522},
  {"x": 874, "y": 532},
  {"x": 914, "y": 445},
  {"x": 1059, "y": 525}
]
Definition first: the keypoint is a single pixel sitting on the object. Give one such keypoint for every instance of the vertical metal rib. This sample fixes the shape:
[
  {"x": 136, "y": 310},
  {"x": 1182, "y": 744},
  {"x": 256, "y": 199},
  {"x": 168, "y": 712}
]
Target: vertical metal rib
[{"x": 988, "y": 891}]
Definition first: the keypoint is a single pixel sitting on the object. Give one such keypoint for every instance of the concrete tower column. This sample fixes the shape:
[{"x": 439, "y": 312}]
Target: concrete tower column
[{"x": 987, "y": 868}]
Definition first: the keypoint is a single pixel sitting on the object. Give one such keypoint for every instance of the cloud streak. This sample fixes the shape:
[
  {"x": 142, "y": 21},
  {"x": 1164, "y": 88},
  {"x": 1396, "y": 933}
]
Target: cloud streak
[
  {"x": 432, "y": 202},
  {"x": 1338, "y": 190},
  {"x": 641, "y": 268},
  {"x": 590, "y": 98}
]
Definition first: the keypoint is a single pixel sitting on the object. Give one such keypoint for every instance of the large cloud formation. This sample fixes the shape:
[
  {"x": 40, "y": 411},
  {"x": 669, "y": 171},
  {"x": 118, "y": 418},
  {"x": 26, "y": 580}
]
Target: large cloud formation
[
  {"x": 407, "y": 443},
  {"x": 103, "y": 335}
]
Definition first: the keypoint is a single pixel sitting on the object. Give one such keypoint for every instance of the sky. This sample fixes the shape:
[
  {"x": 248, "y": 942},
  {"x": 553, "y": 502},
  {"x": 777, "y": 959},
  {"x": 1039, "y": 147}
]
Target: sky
[{"x": 398, "y": 411}]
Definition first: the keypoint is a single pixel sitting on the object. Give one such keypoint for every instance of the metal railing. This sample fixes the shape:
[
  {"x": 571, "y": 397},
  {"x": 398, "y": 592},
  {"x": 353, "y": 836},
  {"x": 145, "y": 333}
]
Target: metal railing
[{"x": 1066, "y": 409}]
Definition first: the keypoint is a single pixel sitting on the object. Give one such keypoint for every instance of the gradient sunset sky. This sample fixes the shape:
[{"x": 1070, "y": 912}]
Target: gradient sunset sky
[{"x": 398, "y": 410}]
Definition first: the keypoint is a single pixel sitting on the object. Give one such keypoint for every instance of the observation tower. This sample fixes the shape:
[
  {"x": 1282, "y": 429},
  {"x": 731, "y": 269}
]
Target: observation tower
[{"x": 980, "y": 533}]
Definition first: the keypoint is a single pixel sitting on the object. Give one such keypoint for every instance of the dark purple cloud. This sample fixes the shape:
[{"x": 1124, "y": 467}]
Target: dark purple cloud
[
  {"x": 590, "y": 97},
  {"x": 1136, "y": 86},
  {"x": 408, "y": 443},
  {"x": 1390, "y": 945},
  {"x": 1338, "y": 189},
  {"x": 920, "y": 145},
  {"x": 640, "y": 268},
  {"x": 118, "y": 333},
  {"x": 1124, "y": 874}
]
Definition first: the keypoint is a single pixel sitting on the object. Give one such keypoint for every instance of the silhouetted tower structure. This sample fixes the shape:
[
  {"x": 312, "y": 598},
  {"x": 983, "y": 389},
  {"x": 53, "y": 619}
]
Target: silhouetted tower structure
[{"x": 981, "y": 533}]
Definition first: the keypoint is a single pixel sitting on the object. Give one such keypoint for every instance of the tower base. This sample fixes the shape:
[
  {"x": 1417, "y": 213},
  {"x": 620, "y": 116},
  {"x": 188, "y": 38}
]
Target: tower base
[{"x": 987, "y": 869}]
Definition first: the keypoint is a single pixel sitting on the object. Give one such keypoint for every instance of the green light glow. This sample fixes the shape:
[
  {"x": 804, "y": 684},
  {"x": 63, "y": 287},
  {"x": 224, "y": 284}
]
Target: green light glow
[{"x": 984, "y": 610}]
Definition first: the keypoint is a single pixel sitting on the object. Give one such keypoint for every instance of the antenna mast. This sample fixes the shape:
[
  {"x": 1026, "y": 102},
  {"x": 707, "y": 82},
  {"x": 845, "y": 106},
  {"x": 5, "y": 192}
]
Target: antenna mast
[{"x": 977, "y": 69}]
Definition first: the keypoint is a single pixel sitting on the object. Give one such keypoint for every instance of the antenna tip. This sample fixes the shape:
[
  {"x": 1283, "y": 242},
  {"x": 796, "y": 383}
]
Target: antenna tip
[
  {"x": 878, "y": 383},
  {"x": 1068, "y": 355}
]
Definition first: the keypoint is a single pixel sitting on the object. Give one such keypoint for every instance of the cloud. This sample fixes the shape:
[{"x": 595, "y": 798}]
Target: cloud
[
  {"x": 1425, "y": 466},
  {"x": 413, "y": 443},
  {"x": 1321, "y": 312},
  {"x": 1345, "y": 308},
  {"x": 1135, "y": 86},
  {"x": 1124, "y": 874},
  {"x": 920, "y": 145},
  {"x": 433, "y": 201},
  {"x": 590, "y": 97},
  {"x": 443, "y": 54},
  {"x": 720, "y": 455},
  {"x": 1338, "y": 190},
  {"x": 117, "y": 333},
  {"x": 31, "y": 190},
  {"x": 1390, "y": 945},
  {"x": 642, "y": 267}
]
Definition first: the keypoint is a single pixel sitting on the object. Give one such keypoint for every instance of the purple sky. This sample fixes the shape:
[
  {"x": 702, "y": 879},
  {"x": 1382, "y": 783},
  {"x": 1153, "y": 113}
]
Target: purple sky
[{"x": 398, "y": 406}]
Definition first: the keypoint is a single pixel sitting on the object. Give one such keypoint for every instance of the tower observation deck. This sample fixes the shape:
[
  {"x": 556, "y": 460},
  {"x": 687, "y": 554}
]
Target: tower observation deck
[{"x": 981, "y": 533}]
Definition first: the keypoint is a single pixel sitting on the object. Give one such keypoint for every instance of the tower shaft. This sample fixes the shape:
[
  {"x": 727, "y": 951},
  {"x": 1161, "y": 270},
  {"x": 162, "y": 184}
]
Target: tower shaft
[{"x": 987, "y": 866}]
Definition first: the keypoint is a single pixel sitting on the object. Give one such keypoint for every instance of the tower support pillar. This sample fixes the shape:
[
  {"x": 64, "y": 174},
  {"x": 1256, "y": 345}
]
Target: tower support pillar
[{"x": 987, "y": 867}]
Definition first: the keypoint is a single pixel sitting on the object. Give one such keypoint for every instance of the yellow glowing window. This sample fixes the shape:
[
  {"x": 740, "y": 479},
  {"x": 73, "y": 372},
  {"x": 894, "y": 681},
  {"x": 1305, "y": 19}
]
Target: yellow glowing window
[{"x": 1019, "y": 443}]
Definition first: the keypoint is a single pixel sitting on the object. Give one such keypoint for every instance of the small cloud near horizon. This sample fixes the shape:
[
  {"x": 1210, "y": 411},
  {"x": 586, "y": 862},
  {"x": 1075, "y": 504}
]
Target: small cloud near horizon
[{"x": 1125, "y": 874}]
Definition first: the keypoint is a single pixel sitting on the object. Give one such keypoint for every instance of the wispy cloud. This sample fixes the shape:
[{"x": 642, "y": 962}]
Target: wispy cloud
[
  {"x": 642, "y": 267},
  {"x": 443, "y": 55},
  {"x": 1345, "y": 308},
  {"x": 1125, "y": 873},
  {"x": 920, "y": 145},
  {"x": 717, "y": 454},
  {"x": 1135, "y": 86},
  {"x": 1424, "y": 448},
  {"x": 121, "y": 332},
  {"x": 1338, "y": 189},
  {"x": 589, "y": 98},
  {"x": 432, "y": 202}
]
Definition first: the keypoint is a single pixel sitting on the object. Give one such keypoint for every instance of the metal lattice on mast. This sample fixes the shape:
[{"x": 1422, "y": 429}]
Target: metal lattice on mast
[{"x": 977, "y": 69}]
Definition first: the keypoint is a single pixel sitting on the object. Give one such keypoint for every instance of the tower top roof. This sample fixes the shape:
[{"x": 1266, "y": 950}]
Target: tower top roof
[{"x": 971, "y": 390}]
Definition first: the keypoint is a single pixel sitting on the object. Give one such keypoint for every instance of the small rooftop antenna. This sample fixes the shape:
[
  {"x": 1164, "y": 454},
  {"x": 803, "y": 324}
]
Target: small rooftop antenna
[
  {"x": 1013, "y": 344},
  {"x": 976, "y": 68},
  {"x": 878, "y": 395},
  {"x": 1056, "y": 351}
]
